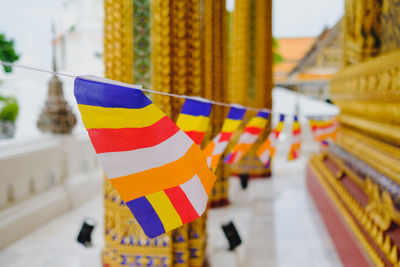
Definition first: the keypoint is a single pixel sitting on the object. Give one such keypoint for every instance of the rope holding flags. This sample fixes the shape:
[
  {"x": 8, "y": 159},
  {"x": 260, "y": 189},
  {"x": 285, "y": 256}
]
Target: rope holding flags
[
  {"x": 267, "y": 149},
  {"x": 294, "y": 151}
]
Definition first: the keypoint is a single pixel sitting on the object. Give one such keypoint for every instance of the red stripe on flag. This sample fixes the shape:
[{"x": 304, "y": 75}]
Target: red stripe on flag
[
  {"x": 225, "y": 137},
  {"x": 253, "y": 130},
  {"x": 125, "y": 139},
  {"x": 182, "y": 204},
  {"x": 197, "y": 137}
]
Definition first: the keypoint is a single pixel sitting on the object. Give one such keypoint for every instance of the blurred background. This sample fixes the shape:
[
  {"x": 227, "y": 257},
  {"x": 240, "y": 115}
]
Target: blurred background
[{"x": 324, "y": 61}]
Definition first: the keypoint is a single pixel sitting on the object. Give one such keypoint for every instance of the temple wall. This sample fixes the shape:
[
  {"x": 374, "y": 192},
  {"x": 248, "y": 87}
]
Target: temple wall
[{"x": 360, "y": 172}]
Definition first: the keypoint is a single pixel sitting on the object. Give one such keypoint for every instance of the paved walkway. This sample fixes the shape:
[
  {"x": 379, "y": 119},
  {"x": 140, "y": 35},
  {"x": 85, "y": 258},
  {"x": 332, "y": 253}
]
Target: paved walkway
[
  {"x": 276, "y": 218},
  {"x": 278, "y": 221}
]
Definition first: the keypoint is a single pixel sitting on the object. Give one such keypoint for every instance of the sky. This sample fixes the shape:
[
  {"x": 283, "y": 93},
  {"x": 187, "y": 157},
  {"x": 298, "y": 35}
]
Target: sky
[{"x": 298, "y": 18}]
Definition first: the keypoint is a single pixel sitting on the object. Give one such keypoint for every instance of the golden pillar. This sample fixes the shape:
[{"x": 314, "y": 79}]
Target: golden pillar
[
  {"x": 177, "y": 68},
  {"x": 125, "y": 242},
  {"x": 215, "y": 82},
  {"x": 250, "y": 68}
]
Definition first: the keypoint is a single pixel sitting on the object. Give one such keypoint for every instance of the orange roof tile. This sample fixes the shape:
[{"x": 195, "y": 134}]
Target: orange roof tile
[
  {"x": 294, "y": 48},
  {"x": 313, "y": 77}
]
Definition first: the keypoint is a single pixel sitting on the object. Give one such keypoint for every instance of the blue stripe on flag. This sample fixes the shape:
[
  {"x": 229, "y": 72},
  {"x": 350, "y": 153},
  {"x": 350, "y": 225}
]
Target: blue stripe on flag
[
  {"x": 236, "y": 113},
  {"x": 146, "y": 216},
  {"x": 263, "y": 114},
  {"x": 281, "y": 117},
  {"x": 196, "y": 108},
  {"x": 106, "y": 95}
]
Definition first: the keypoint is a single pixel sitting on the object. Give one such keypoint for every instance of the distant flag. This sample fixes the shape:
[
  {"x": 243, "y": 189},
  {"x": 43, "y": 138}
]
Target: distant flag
[
  {"x": 249, "y": 136},
  {"x": 194, "y": 118},
  {"x": 213, "y": 151},
  {"x": 324, "y": 131},
  {"x": 296, "y": 140},
  {"x": 266, "y": 151},
  {"x": 159, "y": 172}
]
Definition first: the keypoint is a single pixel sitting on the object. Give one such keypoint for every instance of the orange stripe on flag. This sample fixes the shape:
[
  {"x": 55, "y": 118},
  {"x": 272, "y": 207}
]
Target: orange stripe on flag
[{"x": 169, "y": 175}]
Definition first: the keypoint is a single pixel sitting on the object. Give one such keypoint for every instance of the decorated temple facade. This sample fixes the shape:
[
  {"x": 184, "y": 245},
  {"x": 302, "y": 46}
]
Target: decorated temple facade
[{"x": 355, "y": 181}]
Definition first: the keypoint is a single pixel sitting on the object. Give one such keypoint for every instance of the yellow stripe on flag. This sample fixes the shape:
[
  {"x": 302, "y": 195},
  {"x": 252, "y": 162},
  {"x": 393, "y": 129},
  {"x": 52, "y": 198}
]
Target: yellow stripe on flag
[
  {"x": 257, "y": 122},
  {"x": 279, "y": 127},
  {"x": 230, "y": 125},
  {"x": 165, "y": 210},
  {"x": 192, "y": 123},
  {"x": 100, "y": 117}
]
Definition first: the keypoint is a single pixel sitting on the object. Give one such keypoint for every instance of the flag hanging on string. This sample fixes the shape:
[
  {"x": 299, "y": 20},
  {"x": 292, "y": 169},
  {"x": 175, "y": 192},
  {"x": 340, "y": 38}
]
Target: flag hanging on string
[
  {"x": 194, "y": 118},
  {"x": 249, "y": 136},
  {"x": 324, "y": 131},
  {"x": 266, "y": 151},
  {"x": 213, "y": 151},
  {"x": 296, "y": 139},
  {"x": 159, "y": 172}
]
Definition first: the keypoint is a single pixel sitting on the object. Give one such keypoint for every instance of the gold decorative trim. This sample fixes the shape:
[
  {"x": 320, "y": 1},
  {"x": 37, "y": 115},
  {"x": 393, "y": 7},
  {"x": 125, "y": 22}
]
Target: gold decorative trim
[
  {"x": 382, "y": 161},
  {"x": 335, "y": 189},
  {"x": 344, "y": 169},
  {"x": 376, "y": 79},
  {"x": 388, "y": 149},
  {"x": 384, "y": 131}
]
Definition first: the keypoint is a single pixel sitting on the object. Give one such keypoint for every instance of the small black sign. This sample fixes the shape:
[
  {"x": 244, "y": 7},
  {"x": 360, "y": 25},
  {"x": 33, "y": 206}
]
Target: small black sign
[{"x": 232, "y": 235}]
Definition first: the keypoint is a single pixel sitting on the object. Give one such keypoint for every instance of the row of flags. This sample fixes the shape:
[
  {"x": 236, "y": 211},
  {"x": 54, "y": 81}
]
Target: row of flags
[{"x": 157, "y": 166}]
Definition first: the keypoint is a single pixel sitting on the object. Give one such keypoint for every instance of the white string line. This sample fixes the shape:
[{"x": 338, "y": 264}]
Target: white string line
[
  {"x": 157, "y": 92},
  {"x": 36, "y": 69}
]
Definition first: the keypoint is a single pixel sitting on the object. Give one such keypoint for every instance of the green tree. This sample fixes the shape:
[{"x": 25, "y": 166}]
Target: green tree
[
  {"x": 7, "y": 52},
  {"x": 277, "y": 57},
  {"x": 8, "y": 105}
]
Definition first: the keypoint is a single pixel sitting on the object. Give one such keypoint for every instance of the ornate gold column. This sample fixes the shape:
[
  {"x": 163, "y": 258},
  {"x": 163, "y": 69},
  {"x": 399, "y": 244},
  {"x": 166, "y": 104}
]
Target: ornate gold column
[
  {"x": 239, "y": 64},
  {"x": 250, "y": 76},
  {"x": 177, "y": 68},
  {"x": 118, "y": 40},
  {"x": 215, "y": 82},
  {"x": 125, "y": 242}
]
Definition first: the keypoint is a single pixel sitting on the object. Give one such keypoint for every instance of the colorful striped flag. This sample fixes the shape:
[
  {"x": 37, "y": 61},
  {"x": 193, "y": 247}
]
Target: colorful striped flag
[
  {"x": 324, "y": 131},
  {"x": 213, "y": 151},
  {"x": 249, "y": 136},
  {"x": 266, "y": 151},
  {"x": 296, "y": 140},
  {"x": 194, "y": 117},
  {"x": 159, "y": 172}
]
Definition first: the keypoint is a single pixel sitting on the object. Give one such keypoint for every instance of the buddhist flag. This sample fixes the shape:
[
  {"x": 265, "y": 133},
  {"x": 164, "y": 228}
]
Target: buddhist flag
[
  {"x": 250, "y": 135},
  {"x": 159, "y": 172},
  {"x": 194, "y": 117},
  {"x": 266, "y": 151},
  {"x": 324, "y": 131},
  {"x": 213, "y": 151},
  {"x": 296, "y": 140}
]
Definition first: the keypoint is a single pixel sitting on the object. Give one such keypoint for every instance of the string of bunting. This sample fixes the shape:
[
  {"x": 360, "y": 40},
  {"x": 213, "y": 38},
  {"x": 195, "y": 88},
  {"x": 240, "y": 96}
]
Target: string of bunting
[
  {"x": 316, "y": 117},
  {"x": 157, "y": 166}
]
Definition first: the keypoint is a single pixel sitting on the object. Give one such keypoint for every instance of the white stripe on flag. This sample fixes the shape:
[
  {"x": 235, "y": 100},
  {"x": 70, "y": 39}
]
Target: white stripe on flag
[
  {"x": 117, "y": 164},
  {"x": 219, "y": 148},
  {"x": 264, "y": 157},
  {"x": 248, "y": 138},
  {"x": 196, "y": 194}
]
